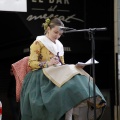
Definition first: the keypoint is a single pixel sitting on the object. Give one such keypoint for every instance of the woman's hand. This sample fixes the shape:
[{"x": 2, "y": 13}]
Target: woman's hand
[{"x": 53, "y": 61}]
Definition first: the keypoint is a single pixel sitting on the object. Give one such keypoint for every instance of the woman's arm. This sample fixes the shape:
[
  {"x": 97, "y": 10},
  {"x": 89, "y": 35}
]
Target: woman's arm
[
  {"x": 34, "y": 62},
  {"x": 35, "y": 59}
]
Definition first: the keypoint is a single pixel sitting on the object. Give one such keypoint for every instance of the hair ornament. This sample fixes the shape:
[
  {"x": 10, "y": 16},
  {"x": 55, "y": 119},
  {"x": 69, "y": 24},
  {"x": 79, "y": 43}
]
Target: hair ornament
[{"x": 46, "y": 24}]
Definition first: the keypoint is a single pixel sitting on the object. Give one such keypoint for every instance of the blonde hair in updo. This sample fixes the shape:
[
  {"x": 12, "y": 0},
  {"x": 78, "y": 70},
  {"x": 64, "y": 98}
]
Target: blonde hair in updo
[{"x": 52, "y": 23}]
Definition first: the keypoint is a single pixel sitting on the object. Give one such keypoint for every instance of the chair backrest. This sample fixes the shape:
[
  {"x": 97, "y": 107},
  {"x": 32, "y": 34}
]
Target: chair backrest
[{"x": 20, "y": 69}]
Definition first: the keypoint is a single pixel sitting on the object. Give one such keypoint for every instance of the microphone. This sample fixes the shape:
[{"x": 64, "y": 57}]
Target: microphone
[
  {"x": 98, "y": 29},
  {"x": 66, "y": 28},
  {"x": 86, "y": 30}
]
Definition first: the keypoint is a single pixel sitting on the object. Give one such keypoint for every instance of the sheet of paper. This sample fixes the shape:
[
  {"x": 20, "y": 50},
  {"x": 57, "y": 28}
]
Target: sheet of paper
[
  {"x": 13, "y": 5},
  {"x": 89, "y": 62}
]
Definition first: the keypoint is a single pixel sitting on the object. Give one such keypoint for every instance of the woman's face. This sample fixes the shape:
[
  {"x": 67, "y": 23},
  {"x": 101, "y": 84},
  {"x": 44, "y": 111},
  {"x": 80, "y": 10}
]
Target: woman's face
[{"x": 54, "y": 33}]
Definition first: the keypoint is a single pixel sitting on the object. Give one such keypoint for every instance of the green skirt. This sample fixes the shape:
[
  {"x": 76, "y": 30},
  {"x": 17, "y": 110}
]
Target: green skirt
[{"x": 42, "y": 100}]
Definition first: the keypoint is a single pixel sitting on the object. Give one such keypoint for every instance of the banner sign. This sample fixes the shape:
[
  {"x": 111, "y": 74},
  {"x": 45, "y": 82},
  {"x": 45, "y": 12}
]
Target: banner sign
[
  {"x": 77, "y": 14},
  {"x": 69, "y": 11}
]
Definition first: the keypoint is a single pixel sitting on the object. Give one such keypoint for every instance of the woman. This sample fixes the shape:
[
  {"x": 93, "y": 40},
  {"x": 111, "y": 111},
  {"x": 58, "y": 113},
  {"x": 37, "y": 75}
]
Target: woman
[{"x": 53, "y": 90}]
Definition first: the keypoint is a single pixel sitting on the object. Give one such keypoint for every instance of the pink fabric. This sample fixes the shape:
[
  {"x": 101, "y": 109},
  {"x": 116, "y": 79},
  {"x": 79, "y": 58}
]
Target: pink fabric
[{"x": 20, "y": 69}]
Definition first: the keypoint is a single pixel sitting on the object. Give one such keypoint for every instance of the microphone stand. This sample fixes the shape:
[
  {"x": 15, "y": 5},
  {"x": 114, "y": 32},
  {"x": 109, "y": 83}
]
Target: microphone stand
[{"x": 91, "y": 32}]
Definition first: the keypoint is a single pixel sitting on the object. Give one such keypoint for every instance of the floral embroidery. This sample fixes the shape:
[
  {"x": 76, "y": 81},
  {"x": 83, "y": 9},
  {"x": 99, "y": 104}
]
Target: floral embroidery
[
  {"x": 37, "y": 51},
  {"x": 43, "y": 65},
  {"x": 40, "y": 57},
  {"x": 36, "y": 42}
]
